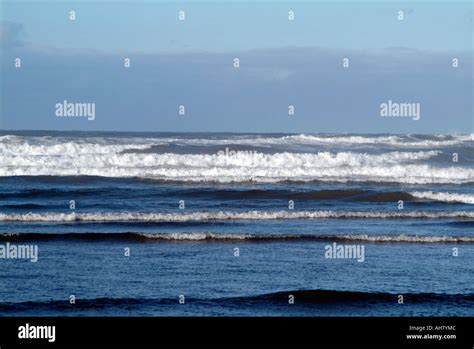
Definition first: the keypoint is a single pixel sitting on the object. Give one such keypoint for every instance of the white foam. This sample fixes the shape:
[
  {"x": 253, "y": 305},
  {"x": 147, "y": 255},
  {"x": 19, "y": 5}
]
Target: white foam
[
  {"x": 399, "y": 167},
  {"x": 397, "y": 141},
  {"x": 47, "y": 145},
  {"x": 228, "y": 215},
  {"x": 59, "y": 146},
  {"x": 202, "y": 236},
  {"x": 107, "y": 157},
  {"x": 198, "y": 236},
  {"x": 444, "y": 196},
  {"x": 408, "y": 238},
  {"x": 336, "y": 140},
  {"x": 349, "y": 237}
]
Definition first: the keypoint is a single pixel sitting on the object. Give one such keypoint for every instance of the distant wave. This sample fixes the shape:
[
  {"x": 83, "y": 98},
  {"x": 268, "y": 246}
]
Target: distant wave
[
  {"x": 280, "y": 298},
  {"x": 400, "y": 141},
  {"x": 396, "y": 141},
  {"x": 60, "y": 146},
  {"x": 70, "y": 145},
  {"x": 225, "y": 237}
]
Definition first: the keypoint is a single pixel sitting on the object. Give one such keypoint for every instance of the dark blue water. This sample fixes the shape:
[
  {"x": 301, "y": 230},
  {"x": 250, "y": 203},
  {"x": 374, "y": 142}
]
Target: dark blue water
[{"x": 235, "y": 191}]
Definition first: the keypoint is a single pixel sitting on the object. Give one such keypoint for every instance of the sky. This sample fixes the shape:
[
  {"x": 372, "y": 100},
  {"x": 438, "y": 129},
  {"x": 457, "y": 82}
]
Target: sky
[{"x": 282, "y": 63}]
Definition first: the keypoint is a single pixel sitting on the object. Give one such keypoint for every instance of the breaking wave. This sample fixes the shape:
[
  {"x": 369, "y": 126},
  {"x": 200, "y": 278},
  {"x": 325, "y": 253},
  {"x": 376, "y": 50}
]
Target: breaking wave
[
  {"x": 228, "y": 215},
  {"x": 444, "y": 197},
  {"x": 130, "y": 157},
  {"x": 323, "y": 166},
  {"x": 224, "y": 237}
]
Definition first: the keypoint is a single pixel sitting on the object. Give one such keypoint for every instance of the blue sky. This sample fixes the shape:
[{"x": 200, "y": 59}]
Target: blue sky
[{"x": 190, "y": 62}]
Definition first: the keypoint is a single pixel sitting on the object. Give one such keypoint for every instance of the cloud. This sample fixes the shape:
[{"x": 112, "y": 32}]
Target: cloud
[{"x": 11, "y": 34}]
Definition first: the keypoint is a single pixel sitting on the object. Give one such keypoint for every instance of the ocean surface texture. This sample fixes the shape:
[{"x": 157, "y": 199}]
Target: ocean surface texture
[{"x": 237, "y": 224}]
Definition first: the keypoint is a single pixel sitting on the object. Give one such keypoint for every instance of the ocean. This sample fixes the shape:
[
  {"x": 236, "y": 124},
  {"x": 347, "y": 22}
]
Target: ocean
[{"x": 226, "y": 224}]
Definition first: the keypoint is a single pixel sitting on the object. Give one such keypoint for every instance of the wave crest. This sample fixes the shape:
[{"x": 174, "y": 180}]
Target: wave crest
[
  {"x": 235, "y": 237},
  {"x": 228, "y": 215}
]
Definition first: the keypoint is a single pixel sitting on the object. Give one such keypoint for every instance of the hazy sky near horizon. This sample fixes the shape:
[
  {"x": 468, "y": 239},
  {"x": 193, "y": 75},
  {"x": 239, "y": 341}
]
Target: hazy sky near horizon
[{"x": 282, "y": 63}]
